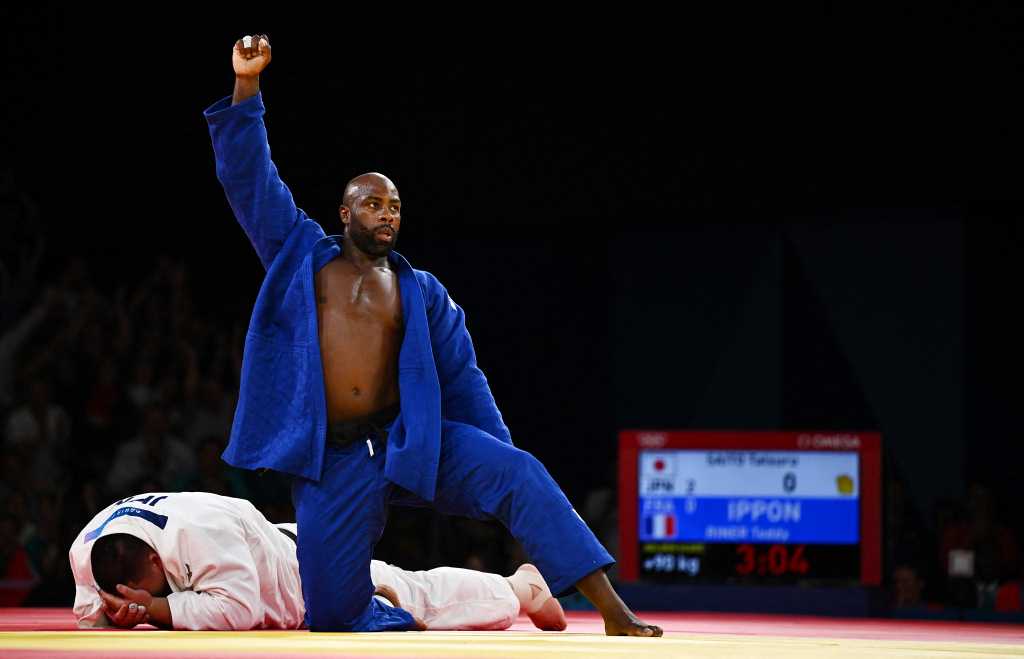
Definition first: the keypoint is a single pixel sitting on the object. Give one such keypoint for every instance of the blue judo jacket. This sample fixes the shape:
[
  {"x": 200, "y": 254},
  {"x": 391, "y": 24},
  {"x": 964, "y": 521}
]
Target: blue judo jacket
[{"x": 280, "y": 421}]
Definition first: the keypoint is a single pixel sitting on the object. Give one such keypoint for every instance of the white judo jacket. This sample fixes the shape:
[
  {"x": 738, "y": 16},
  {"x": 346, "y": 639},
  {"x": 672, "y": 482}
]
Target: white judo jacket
[{"x": 228, "y": 567}]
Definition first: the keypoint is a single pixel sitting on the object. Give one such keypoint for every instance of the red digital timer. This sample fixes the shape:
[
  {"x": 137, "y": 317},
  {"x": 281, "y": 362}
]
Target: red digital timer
[{"x": 776, "y": 560}]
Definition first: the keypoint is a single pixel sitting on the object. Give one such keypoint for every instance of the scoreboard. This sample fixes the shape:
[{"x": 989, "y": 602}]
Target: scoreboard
[{"x": 748, "y": 507}]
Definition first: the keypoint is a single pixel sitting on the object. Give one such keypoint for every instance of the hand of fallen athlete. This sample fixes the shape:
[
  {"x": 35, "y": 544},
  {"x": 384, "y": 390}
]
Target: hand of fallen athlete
[
  {"x": 124, "y": 612},
  {"x": 388, "y": 593},
  {"x": 251, "y": 55}
]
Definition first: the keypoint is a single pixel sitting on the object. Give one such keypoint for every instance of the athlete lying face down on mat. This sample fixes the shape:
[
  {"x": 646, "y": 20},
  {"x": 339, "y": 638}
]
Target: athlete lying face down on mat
[{"x": 198, "y": 561}]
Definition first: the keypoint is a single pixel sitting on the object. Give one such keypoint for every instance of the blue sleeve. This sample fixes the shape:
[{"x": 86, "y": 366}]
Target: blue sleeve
[
  {"x": 261, "y": 201},
  {"x": 465, "y": 394}
]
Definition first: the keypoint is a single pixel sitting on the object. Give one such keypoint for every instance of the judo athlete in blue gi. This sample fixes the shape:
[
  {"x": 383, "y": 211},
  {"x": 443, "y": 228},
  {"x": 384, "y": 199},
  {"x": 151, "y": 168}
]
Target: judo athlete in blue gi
[{"x": 359, "y": 379}]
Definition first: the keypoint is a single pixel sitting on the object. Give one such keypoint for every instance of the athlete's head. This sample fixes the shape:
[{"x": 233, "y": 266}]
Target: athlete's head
[
  {"x": 372, "y": 213},
  {"x": 120, "y": 558}
]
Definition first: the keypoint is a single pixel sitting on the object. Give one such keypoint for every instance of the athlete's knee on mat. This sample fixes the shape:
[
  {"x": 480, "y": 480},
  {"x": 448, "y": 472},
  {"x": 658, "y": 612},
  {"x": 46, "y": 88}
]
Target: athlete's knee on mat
[
  {"x": 335, "y": 616},
  {"x": 331, "y": 624}
]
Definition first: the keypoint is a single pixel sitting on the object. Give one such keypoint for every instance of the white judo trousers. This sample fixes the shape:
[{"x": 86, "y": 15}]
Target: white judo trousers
[
  {"x": 451, "y": 597},
  {"x": 229, "y": 568}
]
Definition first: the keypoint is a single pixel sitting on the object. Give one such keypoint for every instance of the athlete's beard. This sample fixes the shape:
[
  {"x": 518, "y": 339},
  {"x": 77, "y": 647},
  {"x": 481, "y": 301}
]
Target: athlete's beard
[{"x": 366, "y": 240}]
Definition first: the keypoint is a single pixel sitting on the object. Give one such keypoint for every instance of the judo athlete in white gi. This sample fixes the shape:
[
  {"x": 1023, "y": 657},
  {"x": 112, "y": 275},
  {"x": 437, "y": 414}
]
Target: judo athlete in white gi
[{"x": 209, "y": 562}]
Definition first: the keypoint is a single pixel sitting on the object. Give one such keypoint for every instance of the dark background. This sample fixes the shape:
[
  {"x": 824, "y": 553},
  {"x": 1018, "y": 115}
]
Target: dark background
[{"x": 812, "y": 223}]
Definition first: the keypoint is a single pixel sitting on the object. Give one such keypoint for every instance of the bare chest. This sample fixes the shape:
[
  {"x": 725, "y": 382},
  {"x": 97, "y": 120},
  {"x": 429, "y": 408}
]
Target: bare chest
[{"x": 348, "y": 296}]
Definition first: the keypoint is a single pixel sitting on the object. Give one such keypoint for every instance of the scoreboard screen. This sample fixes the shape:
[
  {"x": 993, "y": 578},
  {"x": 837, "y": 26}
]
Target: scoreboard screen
[{"x": 749, "y": 506}]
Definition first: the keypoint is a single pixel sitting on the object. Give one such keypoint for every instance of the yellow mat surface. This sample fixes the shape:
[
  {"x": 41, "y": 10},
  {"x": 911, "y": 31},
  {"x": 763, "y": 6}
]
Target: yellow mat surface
[{"x": 474, "y": 644}]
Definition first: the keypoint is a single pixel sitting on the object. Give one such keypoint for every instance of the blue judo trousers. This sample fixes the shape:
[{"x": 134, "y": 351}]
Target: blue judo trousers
[{"x": 448, "y": 447}]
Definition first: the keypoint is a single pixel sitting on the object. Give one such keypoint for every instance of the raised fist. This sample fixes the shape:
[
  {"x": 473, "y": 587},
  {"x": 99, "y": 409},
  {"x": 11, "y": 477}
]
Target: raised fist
[{"x": 251, "y": 55}]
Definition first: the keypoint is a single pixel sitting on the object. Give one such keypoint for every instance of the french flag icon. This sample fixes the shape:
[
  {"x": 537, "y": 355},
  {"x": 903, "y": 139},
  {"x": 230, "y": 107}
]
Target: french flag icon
[{"x": 661, "y": 526}]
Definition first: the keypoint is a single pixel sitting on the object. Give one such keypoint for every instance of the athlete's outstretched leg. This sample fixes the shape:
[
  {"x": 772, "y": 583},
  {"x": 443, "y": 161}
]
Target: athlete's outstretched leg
[
  {"x": 484, "y": 478},
  {"x": 448, "y": 597}
]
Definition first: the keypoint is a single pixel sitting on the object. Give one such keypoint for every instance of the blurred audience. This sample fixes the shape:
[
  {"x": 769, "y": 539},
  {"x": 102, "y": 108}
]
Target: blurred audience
[
  {"x": 153, "y": 461},
  {"x": 977, "y": 552},
  {"x": 907, "y": 587}
]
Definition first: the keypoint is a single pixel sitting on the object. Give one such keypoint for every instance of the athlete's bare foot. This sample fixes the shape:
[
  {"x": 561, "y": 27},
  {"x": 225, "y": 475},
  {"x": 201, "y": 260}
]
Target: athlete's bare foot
[
  {"x": 618, "y": 619},
  {"x": 629, "y": 625},
  {"x": 536, "y": 600}
]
